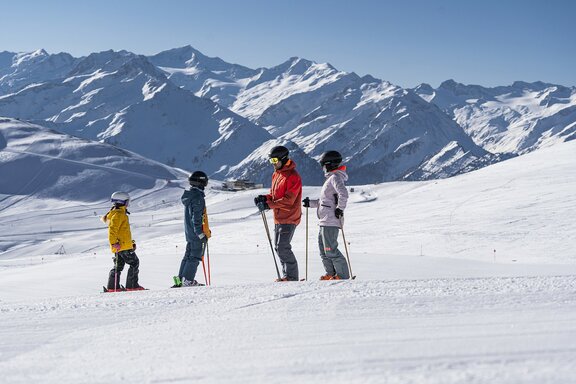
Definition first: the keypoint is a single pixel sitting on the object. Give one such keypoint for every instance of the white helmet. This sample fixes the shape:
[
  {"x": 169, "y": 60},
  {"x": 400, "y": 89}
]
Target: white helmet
[{"x": 120, "y": 198}]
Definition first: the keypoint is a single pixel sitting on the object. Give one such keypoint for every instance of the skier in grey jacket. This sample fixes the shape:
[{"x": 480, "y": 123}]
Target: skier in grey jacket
[{"x": 330, "y": 210}]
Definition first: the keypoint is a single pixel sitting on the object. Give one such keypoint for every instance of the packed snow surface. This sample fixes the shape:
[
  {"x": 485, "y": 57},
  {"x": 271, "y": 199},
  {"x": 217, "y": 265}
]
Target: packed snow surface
[{"x": 470, "y": 279}]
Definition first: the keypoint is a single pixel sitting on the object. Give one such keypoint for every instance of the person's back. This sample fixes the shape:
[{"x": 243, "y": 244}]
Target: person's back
[
  {"x": 333, "y": 195},
  {"x": 330, "y": 210},
  {"x": 195, "y": 230},
  {"x": 121, "y": 244},
  {"x": 194, "y": 203}
]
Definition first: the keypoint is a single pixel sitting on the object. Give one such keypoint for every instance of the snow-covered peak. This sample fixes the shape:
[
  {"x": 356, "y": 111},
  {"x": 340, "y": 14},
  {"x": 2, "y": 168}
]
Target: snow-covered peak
[
  {"x": 294, "y": 67},
  {"x": 106, "y": 60},
  {"x": 188, "y": 57},
  {"x": 22, "y": 58},
  {"x": 20, "y": 70},
  {"x": 509, "y": 119},
  {"x": 424, "y": 89},
  {"x": 184, "y": 57}
]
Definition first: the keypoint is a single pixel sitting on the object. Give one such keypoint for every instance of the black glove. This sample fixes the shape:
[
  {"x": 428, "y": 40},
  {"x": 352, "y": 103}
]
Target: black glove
[
  {"x": 338, "y": 213},
  {"x": 133, "y": 245},
  {"x": 203, "y": 238},
  {"x": 260, "y": 199},
  {"x": 262, "y": 206},
  {"x": 306, "y": 202}
]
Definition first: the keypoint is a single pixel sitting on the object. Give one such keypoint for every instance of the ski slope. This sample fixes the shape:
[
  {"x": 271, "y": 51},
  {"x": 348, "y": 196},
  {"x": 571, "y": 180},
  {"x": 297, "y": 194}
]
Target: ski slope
[{"x": 470, "y": 279}]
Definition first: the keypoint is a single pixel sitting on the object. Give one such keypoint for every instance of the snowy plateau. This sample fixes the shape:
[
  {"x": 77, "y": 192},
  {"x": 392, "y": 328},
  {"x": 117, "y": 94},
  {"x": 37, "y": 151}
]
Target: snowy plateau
[{"x": 460, "y": 225}]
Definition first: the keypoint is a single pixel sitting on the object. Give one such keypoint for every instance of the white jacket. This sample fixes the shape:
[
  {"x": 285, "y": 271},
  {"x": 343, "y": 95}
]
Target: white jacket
[{"x": 333, "y": 195}]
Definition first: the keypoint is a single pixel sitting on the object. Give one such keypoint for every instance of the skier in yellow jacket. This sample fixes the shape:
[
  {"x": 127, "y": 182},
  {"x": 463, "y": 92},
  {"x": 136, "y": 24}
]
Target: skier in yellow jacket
[{"x": 121, "y": 244}]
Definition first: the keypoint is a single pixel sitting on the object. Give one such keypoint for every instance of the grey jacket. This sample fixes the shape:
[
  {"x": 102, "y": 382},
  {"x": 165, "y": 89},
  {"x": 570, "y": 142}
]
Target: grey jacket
[{"x": 333, "y": 195}]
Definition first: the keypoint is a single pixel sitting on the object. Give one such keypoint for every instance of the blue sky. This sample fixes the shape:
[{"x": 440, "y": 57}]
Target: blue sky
[{"x": 407, "y": 42}]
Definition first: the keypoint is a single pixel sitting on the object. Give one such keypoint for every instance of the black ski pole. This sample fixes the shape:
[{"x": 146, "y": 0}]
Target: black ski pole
[
  {"x": 306, "y": 244},
  {"x": 346, "y": 247},
  {"x": 115, "y": 271},
  {"x": 270, "y": 241}
]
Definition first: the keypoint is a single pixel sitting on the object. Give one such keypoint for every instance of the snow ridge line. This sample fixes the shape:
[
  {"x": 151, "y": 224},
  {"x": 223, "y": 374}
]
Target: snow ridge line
[{"x": 83, "y": 163}]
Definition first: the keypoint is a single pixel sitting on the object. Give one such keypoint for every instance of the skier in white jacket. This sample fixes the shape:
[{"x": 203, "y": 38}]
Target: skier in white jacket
[{"x": 330, "y": 211}]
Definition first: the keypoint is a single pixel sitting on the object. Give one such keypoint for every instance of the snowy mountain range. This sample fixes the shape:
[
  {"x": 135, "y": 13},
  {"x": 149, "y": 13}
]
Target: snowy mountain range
[
  {"x": 384, "y": 131},
  {"x": 509, "y": 119},
  {"x": 185, "y": 109}
]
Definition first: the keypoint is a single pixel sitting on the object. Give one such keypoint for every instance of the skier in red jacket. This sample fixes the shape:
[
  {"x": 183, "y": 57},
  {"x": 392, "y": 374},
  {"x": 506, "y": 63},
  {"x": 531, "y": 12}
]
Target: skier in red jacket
[{"x": 284, "y": 200}]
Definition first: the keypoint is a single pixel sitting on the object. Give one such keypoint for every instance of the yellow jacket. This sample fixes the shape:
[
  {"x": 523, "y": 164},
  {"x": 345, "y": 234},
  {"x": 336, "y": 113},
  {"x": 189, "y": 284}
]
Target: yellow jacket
[{"x": 118, "y": 228}]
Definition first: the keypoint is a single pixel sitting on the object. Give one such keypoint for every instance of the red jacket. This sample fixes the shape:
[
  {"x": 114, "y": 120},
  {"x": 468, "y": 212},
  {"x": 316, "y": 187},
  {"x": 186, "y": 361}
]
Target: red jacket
[{"x": 285, "y": 195}]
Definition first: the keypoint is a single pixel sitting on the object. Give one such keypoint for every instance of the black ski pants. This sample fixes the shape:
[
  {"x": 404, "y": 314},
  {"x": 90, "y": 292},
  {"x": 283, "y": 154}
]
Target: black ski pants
[{"x": 120, "y": 260}]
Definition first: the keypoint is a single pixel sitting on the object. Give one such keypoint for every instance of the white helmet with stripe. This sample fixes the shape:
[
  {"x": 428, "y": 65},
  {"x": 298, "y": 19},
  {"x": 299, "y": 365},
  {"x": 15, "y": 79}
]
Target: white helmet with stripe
[{"x": 120, "y": 198}]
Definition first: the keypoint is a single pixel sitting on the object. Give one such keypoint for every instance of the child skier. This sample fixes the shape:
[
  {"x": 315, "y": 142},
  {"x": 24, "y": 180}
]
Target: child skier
[
  {"x": 330, "y": 211},
  {"x": 121, "y": 244},
  {"x": 196, "y": 230}
]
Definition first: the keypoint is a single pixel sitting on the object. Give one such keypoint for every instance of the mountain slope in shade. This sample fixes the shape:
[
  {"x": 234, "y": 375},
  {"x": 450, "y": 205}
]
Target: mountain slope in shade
[
  {"x": 174, "y": 126},
  {"x": 516, "y": 119},
  {"x": 36, "y": 161}
]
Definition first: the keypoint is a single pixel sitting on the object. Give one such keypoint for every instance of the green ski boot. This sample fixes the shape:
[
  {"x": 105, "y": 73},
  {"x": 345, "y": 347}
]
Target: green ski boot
[{"x": 177, "y": 282}]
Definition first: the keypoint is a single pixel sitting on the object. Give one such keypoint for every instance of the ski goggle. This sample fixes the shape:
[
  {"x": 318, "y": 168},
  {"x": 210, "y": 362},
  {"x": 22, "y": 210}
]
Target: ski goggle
[{"x": 274, "y": 160}]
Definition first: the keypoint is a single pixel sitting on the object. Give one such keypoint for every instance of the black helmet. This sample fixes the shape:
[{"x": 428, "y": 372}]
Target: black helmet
[
  {"x": 280, "y": 152},
  {"x": 198, "y": 179},
  {"x": 331, "y": 160}
]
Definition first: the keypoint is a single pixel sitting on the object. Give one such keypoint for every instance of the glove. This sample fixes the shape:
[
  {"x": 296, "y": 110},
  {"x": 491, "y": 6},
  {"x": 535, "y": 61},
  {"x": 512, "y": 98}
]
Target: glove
[
  {"x": 338, "y": 213},
  {"x": 263, "y": 206},
  {"x": 116, "y": 247},
  {"x": 306, "y": 202},
  {"x": 203, "y": 238},
  {"x": 260, "y": 199},
  {"x": 133, "y": 245}
]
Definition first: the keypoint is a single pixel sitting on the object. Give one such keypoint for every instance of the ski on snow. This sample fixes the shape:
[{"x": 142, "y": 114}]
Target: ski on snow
[{"x": 122, "y": 289}]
